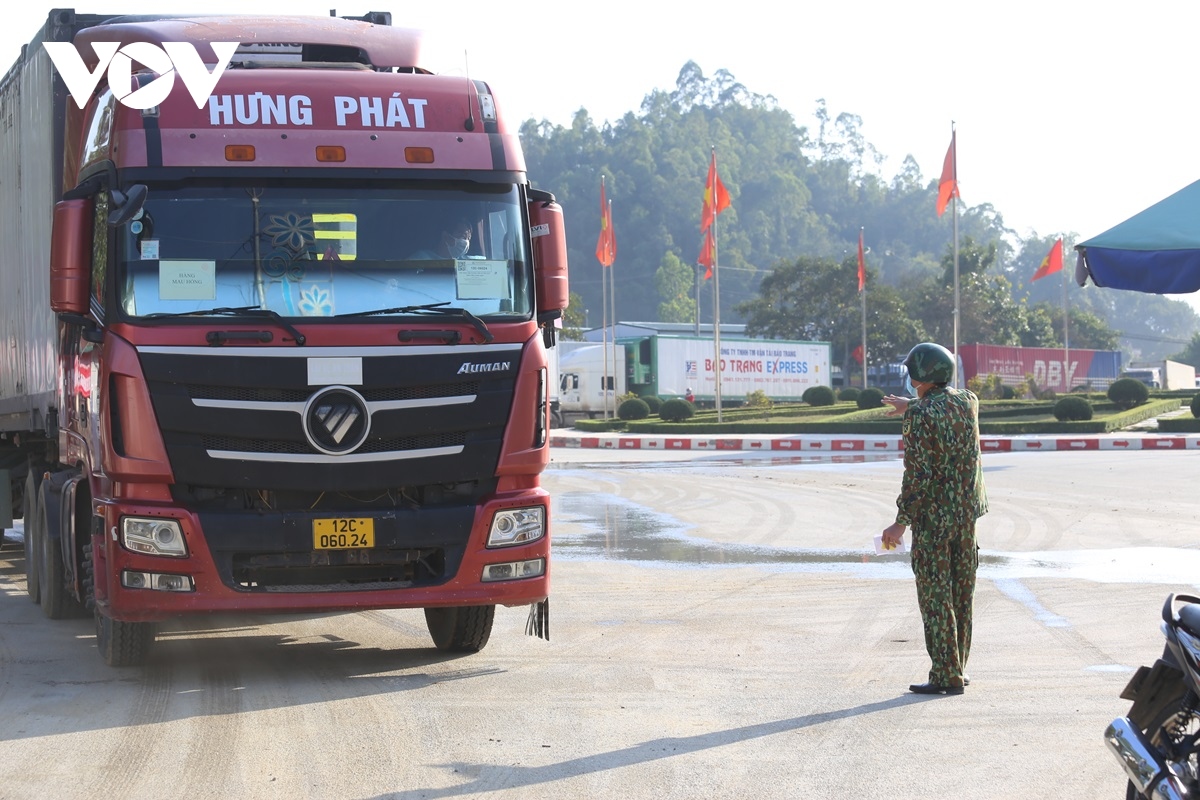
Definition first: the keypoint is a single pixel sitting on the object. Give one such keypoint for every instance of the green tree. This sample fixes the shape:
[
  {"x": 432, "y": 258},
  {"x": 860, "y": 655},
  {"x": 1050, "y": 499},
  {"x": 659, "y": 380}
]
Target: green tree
[
  {"x": 573, "y": 319},
  {"x": 816, "y": 299},
  {"x": 675, "y": 282},
  {"x": 1039, "y": 327},
  {"x": 1087, "y": 331},
  {"x": 987, "y": 311},
  {"x": 1191, "y": 353}
]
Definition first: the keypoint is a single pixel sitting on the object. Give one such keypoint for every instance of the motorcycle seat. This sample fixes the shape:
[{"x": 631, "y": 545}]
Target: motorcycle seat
[{"x": 1189, "y": 618}]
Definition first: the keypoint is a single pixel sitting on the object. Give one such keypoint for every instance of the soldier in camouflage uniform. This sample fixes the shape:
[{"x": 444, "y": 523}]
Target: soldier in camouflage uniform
[{"x": 941, "y": 496}]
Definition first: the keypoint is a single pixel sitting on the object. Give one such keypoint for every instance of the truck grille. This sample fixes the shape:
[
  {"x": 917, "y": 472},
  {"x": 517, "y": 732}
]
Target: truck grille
[
  {"x": 251, "y": 420},
  {"x": 243, "y": 445},
  {"x": 250, "y": 394}
]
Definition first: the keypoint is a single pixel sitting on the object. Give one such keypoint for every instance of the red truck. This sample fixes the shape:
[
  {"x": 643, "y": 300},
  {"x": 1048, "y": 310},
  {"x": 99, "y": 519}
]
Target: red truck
[{"x": 249, "y": 365}]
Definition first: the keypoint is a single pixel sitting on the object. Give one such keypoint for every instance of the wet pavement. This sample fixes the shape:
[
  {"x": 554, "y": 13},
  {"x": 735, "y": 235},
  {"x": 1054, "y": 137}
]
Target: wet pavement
[{"x": 614, "y": 529}]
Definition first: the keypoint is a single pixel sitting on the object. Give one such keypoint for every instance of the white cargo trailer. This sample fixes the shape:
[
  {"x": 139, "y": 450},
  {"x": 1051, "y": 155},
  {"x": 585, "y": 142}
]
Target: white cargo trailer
[{"x": 675, "y": 366}]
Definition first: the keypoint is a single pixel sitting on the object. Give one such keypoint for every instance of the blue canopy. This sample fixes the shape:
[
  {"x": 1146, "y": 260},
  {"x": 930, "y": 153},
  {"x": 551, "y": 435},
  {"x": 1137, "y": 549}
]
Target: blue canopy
[{"x": 1155, "y": 251}]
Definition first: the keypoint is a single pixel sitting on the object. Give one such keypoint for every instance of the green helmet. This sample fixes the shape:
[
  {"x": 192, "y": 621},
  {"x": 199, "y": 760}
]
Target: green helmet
[{"x": 930, "y": 363}]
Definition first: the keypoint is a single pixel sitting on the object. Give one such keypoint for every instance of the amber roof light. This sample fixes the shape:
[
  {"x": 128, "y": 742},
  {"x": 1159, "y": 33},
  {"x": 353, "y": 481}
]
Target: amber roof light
[
  {"x": 331, "y": 152},
  {"x": 239, "y": 152},
  {"x": 418, "y": 155}
]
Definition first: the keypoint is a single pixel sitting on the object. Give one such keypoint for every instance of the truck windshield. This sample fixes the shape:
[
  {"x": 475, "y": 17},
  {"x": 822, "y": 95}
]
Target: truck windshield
[{"x": 305, "y": 251}]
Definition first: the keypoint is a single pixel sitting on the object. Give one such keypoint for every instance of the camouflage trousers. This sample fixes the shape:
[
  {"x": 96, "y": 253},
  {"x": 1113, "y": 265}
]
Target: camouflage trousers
[{"x": 944, "y": 563}]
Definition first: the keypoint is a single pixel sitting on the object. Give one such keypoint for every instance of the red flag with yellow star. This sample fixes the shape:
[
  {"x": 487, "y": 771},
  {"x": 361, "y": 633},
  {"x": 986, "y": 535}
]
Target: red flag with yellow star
[
  {"x": 1051, "y": 264},
  {"x": 716, "y": 198},
  {"x": 948, "y": 185},
  {"x": 606, "y": 245}
]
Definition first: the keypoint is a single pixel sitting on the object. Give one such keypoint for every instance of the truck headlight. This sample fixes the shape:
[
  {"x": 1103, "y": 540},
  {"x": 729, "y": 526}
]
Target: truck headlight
[
  {"x": 155, "y": 537},
  {"x": 517, "y": 526}
]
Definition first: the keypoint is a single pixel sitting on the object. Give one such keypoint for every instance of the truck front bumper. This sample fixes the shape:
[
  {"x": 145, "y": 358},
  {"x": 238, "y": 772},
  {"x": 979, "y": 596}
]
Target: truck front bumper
[{"x": 268, "y": 563}]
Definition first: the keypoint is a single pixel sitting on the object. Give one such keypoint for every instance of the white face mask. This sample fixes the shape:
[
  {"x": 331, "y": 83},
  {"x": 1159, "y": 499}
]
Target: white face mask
[
  {"x": 458, "y": 247},
  {"x": 909, "y": 388}
]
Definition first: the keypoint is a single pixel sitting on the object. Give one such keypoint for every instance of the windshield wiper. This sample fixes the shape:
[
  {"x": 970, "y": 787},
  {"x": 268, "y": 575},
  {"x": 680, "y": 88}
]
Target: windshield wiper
[
  {"x": 439, "y": 309},
  {"x": 235, "y": 311}
]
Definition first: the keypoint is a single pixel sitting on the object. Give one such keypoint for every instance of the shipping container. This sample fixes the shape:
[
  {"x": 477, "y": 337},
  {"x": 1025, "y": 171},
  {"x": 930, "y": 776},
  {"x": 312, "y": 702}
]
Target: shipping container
[{"x": 1056, "y": 369}]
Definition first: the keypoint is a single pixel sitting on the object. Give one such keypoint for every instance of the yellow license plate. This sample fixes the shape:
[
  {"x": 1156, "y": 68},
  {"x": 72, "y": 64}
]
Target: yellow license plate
[{"x": 343, "y": 534}]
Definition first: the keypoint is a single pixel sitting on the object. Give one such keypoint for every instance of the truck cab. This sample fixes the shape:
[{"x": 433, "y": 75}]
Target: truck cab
[{"x": 1149, "y": 376}]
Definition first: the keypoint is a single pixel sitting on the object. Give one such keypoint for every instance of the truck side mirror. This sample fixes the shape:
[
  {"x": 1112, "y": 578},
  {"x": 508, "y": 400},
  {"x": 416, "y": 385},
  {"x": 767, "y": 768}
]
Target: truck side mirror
[
  {"x": 549, "y": 253},
  {"x": 71, "y": 256}
]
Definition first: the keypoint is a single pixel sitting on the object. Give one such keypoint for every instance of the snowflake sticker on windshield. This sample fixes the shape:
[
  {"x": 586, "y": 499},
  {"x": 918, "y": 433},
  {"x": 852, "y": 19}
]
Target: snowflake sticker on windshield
[
  {"x": 316, "y": 302},
  {"x": 290, "y": 231}
]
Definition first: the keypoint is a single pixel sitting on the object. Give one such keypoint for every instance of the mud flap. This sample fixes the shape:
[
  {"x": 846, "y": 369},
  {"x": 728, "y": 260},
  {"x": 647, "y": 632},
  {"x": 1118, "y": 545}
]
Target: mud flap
[
  {"x": 538, "y": 623},
  {"x": 1151, "y": 689},
  {"x": 6, "y": 502}
]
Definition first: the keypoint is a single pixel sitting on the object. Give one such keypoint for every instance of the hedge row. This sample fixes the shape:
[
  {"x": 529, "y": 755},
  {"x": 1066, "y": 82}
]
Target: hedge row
[
  {"x": 872, "y": 422},
  {"x": 1179, "y": 425}
]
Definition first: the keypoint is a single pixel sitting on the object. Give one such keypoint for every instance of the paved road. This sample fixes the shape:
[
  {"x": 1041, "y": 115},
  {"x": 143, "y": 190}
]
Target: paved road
[{"x": 718, "y": 631}]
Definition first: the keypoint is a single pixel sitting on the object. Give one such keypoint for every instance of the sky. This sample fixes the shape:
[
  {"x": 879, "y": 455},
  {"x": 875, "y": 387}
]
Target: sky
[{"x": 1070, "y": 116}]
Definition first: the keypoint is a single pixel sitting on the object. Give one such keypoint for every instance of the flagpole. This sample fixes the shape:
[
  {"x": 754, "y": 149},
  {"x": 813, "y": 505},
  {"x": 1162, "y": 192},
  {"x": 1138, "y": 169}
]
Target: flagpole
[
  {"x": 864, "y": 311},
  {"x": 716, "y": 292},
  {"x": 604, "y": 338},
  {"x": 954, "y": 212},
  {"x": 604, "y": 295},
  {"x": 717, "y": 316},
  {"x": 1066, "y": 335},
  {"x": 612, "y": 281}
]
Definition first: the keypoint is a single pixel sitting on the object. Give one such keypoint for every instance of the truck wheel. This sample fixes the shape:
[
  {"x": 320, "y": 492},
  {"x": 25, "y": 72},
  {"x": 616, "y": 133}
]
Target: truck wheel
[
  {"x": 57, "y": 602},
  {"x": 556, "y": 419},
  {"x": 29, "y": 512},
  {"x": 465, "y": 629},
  {"x": 123, "y": 644}
]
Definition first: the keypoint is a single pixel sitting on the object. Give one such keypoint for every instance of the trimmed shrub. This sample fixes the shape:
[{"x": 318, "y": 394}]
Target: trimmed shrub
[
  {"x": 1072, "y": 409},
  {"x": 758, "y": 400},
  {"x": 1125, "y": 393},
  {"x": 1196, "y": 405},
  {"x": 634, "y": 408},
  {"x": 818, "y": 396},
  {"x": 870, "y": 398},
  {"x": 849, "y": 394},
  {"x": 676, "y": 410},
  {"x": 653, "y": 403}
]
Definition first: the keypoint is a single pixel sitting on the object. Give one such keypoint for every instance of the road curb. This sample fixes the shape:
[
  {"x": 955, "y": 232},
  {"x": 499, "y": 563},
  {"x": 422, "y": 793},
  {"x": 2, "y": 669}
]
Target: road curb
[{"x": 866, "y": 444}]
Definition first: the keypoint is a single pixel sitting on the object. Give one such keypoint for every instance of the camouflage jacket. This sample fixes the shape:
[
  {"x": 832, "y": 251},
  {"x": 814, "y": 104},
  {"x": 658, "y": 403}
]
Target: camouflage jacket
[{"x": 943, "y": 471}]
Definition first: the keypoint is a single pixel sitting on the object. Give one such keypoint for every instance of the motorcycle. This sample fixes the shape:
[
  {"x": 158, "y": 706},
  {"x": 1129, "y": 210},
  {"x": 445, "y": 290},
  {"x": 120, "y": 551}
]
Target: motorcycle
[{"x": 1158, "y": 743}]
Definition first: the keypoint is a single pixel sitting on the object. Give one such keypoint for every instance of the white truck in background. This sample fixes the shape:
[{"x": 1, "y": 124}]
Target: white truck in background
[
  {"x": 666, "y": 366},
  {"x": 582, "y": 378},
  {"x": 1165, "y": 374}
]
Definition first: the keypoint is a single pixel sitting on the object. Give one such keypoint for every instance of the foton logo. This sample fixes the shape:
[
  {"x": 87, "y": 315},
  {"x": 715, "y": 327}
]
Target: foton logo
[{"x": 172, "y": 58}]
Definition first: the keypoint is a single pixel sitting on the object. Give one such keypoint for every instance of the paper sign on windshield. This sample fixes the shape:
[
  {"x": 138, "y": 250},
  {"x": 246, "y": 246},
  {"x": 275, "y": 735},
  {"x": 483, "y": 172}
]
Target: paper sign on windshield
[
  {"x": 187, "y": 280},
  {"x": 476, "y": 279}
]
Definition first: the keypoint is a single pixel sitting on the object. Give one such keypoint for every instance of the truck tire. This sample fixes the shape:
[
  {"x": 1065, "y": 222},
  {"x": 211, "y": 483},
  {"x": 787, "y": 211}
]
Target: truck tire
[
  {"x": 123, "y": 644},
  {"x": 465, "y": 629},
  {"x": 57, "y": 602},
  {"x": 29, "y": 512}
]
